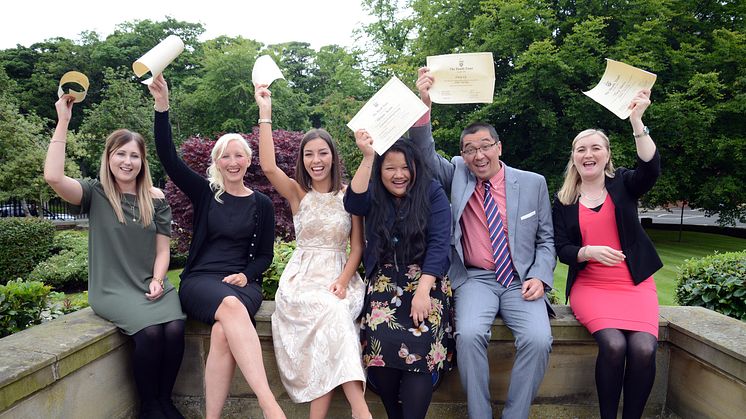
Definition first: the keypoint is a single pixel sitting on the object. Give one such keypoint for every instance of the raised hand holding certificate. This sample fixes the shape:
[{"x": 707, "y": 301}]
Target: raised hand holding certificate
[
  {"x": 619, "y": 84},
  {"x": 388, "y": 114},
  {"x": 462, "y": 78}
]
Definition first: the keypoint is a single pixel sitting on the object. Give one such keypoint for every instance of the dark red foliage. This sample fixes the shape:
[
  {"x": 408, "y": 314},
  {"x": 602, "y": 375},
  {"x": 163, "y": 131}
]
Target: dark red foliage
[{"x": 196, "y": 154}]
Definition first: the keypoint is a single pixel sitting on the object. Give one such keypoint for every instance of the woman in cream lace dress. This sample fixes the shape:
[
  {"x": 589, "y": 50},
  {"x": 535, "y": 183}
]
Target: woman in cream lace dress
[{"x": 316, "y": 337}]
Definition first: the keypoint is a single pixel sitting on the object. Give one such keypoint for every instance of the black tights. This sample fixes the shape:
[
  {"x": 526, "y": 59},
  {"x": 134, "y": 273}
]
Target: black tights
[
  {"x": 626, "y": 359},
  {"x": 156, "y": 361},
  {"x": 413, "y": 389}
]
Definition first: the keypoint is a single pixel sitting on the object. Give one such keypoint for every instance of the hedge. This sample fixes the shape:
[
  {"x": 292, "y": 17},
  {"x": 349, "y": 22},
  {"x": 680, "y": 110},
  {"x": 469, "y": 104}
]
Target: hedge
[
  {"x": 717, "y": 282},
  {"x": 68, "y": 269},
  {"x": 21, "y": 305},
  {"x": 24, "y": 241}
]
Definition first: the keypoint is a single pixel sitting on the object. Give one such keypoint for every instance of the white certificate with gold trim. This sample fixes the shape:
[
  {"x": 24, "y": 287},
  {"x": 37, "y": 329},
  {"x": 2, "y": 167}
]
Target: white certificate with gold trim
[
  {"x": 388, "y": 114},
  {"x": 462, "y": 78},
  {"x": 619, "y": 85}
]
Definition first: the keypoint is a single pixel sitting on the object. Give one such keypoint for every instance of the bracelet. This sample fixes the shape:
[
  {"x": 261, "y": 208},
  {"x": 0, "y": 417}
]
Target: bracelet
[
  {"x": 58, "y": 141},
  {"x": 158, "y": 110},
  {"x": 158, "y": 280},
  {"x": 264, "y": 121}
]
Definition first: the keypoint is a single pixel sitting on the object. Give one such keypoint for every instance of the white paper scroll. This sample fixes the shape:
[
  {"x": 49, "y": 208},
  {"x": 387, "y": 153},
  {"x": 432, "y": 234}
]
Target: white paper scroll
[
  {"x": 619, "y": 85},
  {"x": 265, "y": 71},
  {"x": 77, "y": 78},
  {"x": 462, "y": 78},
  {"x": 388, "y": 114},
  {"x": 157, "y": 59}
]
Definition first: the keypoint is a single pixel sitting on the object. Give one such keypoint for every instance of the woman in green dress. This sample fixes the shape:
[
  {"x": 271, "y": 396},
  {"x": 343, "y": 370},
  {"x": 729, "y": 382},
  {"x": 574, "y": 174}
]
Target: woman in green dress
[{"x": 128, "y": 256}]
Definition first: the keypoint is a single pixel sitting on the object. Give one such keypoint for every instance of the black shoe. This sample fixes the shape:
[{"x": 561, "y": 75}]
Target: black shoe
[
  {"x": 171, "y": 412},
  {"x": 152, "y": 410}
]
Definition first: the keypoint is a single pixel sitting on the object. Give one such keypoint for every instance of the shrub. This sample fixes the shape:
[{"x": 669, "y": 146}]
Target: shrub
[
  {"x": 21, "y": 305},
  {"x": 196, "y": 154},
  {"x": 178, "y": 257},
  {"x": 717, "y": 282},
  {"x": 68, "y": 269},
  {"x": 24, "y": 242},
  {"x": 283, "y": 251},
  {"x": 59, "y": 303}
]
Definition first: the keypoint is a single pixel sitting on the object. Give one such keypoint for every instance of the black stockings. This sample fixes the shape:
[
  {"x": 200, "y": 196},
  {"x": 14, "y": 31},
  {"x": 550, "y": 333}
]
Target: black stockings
[
  {"x": 413, "y": 389},
  {"x": 626, "y": 360},
  {"x": 156, "y": 361}
]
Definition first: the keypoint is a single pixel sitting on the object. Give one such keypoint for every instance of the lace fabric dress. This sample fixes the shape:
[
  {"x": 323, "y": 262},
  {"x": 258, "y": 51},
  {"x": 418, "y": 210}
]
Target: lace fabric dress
[{"x": 315, "y": 333}]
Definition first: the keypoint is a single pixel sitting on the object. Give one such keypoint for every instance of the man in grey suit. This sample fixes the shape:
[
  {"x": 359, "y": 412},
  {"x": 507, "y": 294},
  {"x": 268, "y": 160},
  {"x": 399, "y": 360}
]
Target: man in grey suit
[{"x": 480, "y": 294}]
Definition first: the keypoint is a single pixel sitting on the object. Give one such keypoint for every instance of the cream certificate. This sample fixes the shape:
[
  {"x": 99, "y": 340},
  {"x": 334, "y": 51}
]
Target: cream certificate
[
  {"x": 158, "y": 58},
  {"x": 462, "y": 78},
  {"x": 265, "y": 71},
  {"x": 77, "y": 78},
  {"x": 619, "y": 85},
  {"x": 388, "y": 114}
]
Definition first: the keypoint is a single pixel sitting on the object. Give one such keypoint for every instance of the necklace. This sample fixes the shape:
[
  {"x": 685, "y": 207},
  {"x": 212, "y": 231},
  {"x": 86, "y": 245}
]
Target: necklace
[
  {"x": 596, "y": 198},
  {"x": 132, "y": 205}
]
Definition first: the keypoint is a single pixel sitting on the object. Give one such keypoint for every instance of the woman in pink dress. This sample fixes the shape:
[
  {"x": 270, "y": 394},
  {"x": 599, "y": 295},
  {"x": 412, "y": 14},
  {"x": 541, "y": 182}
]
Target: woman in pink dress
[{"x": 611, "y": 260}]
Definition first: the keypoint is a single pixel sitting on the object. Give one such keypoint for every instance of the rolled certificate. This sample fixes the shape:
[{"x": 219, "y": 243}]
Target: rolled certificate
[
  {"x": 158, "y": 58},
  {"x": 77, "y": 78}
]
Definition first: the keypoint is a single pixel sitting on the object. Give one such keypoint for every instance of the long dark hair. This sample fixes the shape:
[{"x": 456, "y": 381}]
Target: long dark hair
[
  {"x": 410, "y": 214},
  {"x": 301, "y": 174}
]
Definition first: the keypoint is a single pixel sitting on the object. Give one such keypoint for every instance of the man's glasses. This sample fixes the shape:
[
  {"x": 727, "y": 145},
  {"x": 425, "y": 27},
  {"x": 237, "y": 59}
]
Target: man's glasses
[{"x": 472, "y": 151}]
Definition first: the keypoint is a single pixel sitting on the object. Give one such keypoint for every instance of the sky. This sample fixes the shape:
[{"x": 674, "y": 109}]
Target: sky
[{"x": 318, "y": 22}]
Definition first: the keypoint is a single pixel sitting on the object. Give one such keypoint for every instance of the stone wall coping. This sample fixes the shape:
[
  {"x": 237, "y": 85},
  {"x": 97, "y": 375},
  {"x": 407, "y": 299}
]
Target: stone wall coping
[{"x": 36, "y": 357}]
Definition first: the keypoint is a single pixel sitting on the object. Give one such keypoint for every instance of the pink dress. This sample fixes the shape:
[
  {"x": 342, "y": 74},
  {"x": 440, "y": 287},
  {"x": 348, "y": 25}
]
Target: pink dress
[{"x": 605, "y": 297}]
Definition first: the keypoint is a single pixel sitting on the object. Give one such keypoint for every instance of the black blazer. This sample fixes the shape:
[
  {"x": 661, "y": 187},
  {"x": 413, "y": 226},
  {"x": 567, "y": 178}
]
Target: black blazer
[{"x": 625, "y": 188}]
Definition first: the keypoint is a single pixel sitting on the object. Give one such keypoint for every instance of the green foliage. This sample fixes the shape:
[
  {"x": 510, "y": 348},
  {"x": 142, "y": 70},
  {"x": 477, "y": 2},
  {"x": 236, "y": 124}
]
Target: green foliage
[
  {"x": 178, "y": 257},
  {"x": 68, "y": 269},
  {"x": 24, "y": 242},
  {"x": 271, "y": 278},
  {"x": 716, "y": 282},
  {"x": 21, "y": 305},
  {"x": 59, "y": 303}
]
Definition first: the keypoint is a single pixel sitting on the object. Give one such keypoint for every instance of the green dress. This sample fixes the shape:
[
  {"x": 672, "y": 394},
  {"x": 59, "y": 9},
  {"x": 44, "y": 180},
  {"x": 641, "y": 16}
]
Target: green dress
[{"x": 120, "y": 261}]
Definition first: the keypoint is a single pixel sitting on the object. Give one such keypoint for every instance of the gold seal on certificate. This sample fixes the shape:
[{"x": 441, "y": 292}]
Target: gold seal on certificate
[
  {"x": 388, "y": 114},
  {"x": 619, "y": 84},
  {"x": 462, "y": 78}
]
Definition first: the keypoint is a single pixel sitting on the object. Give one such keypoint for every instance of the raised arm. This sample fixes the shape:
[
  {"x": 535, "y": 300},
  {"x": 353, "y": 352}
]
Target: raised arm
[
  {"x": 421, "y": 135},
  {"x": 185, "y": 178},
  {"x": 361, "y": 179},
  {"x": 54, "y": 166},
  {"x": 648, "y": 169},
  {"x": 286, "y": 186}
]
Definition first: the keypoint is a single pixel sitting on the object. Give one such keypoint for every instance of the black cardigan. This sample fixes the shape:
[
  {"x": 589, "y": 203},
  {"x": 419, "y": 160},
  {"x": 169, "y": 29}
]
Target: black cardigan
[
  {"x": 625, "y": 188},
  {"x": 199, "y": 192}
]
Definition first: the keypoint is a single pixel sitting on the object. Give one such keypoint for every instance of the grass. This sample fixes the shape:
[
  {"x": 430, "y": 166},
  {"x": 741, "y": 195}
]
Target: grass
[
  {"x": 673, "y": 253},
  {"x": 173, "y": 277}
]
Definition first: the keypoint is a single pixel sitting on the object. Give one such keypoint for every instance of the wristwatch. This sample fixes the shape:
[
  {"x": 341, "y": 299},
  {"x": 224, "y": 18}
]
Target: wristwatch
[{"x": 645, "y": 131}]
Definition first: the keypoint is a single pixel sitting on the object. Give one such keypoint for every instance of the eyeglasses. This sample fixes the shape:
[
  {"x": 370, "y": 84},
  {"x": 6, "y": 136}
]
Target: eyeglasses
[{"x": 472, "y": 151}]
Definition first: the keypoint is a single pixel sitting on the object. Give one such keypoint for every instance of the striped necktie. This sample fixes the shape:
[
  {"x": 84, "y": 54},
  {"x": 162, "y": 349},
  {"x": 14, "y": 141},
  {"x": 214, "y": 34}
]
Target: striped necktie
[{"x": 498, "y": 239}]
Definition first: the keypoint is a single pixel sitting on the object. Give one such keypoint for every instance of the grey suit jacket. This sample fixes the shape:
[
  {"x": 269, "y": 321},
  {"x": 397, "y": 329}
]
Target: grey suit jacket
[{"x": 530, "y": 232}]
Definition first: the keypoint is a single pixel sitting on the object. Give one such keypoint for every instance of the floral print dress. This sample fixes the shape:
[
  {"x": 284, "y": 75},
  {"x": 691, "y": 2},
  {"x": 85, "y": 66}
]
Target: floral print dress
[{"x": 389, "y": 336}]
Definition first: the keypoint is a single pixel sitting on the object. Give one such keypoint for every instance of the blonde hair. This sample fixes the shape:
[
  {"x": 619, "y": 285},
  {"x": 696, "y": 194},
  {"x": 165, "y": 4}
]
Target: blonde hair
[
  {"x": 570, "y": 190},
  {"x": 213, "y": 174},
  {"x": 143, "y": 181}
]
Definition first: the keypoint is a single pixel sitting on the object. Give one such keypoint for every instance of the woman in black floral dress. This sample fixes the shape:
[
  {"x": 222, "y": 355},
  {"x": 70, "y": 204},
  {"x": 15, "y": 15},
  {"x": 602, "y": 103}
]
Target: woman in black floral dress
[{"x": 407, "y": 321}]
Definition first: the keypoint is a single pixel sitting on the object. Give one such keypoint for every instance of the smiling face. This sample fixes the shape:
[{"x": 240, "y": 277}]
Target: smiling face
[
  {"x": 317, "y": 160},
  {"x": 395, "y": 173},
  {"x": 233, "y": 162},
  {"x": 485, "y": 162},
  {"x": 590, "y": 155},
  {"x": 125, "y": 163}
]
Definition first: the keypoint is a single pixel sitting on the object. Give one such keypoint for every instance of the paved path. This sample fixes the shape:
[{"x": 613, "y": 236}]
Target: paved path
[{"x": 691, "y": 217}]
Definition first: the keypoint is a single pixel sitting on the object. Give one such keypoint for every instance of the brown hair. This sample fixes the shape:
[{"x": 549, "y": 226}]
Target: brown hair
[
  {"x": 143, "y": 181},
  {"x": 302, "y": 176}
]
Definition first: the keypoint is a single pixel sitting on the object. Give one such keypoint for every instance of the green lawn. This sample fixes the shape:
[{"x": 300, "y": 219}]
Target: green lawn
[
  {"x": 173, "y": 277},
  {"x": 673, "y": 253}
]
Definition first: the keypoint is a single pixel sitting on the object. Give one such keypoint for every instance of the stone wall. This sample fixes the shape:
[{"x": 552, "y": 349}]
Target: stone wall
[{"x": 78, "y": 367}]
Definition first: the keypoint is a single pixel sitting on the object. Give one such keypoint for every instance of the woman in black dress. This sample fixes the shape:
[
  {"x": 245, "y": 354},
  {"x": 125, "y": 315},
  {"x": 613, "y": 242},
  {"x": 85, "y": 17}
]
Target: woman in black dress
[{"x": 232, "y": 244}]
